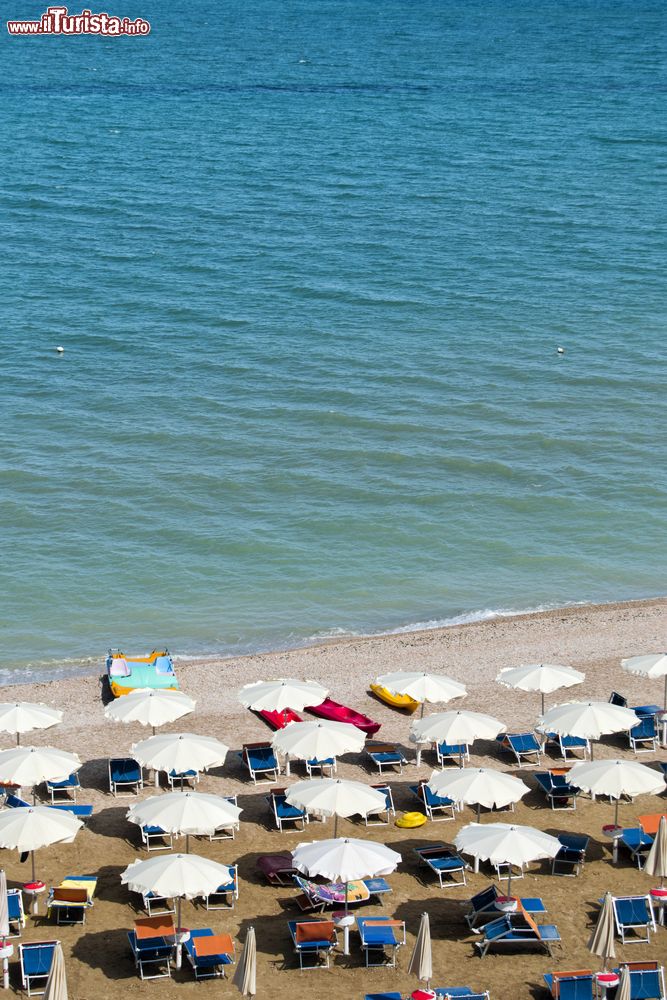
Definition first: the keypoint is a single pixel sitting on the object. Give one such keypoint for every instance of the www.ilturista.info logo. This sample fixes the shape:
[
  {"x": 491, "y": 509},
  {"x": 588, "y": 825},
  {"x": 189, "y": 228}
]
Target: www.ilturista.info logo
[{"x": 57, "y": 21}]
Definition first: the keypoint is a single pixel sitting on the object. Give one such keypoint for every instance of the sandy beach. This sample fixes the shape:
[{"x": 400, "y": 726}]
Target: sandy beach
[{"x": 590, "y": 638}]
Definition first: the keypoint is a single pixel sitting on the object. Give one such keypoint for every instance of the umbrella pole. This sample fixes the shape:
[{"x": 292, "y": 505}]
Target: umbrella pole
[
  {"x": 18, "y": 739},
  {"x": 509, "y": 881},
  {"x": 479, "y": 811},
  {"x": 543, "y": 703},
  {"x": 179, "y": 945},
  {"x": 592, "y": 746},
  {"x": 422, "y": 711},
  {"x": 336, "y": 828},
  {"x": 32, "y": 858},
  {"x": 346, "y": 929},
  {"x": 616, "y": 813}
]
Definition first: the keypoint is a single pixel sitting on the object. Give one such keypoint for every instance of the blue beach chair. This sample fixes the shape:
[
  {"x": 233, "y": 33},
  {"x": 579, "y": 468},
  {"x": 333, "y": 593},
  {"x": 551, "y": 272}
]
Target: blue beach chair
[
  {"x": 569, "y": 746},
  {"x": 572, "y": 854},
  {"x": 209, "y": 953},
  {"x": 313, "y": 940},
  {"x": 452, "y": 753},
  {"x": 436, "y": 807},
  {"x": 558, "y": 790},
  {"x": 381, "y": 938},
  {"x": 225, "y": 896},
  {"x": 125, "y": 774},
  {"x": 154, "y": 838},
  {"x": 570, "y": 985},
  {"x": 80, "y": 811},
  {"x": 643, "y": 737},
  {"x": 518, "y": 930},
  {"x": 382, "y": 816},
  {"x": 483, "y": 907},
  {"x": 16, "y": 912},
  {"x": 260, "y": 760},
  {"x": 178, "y": 779},
  {"x": 524, "y": 746},
  {"x": 283, "y": 812},
  {"x": 638, "y": 843},
  {"x": 35, "y": 959},
  {"x": 444, "y": 862},
  {"x": 152, "y": 955},
  {"x": 647, "y": 980},
  {"x": 460, "y": 993},
  {"x": 70, "y": 784},
  {"x": 634, "y": 918},
  {"x": 385, "y": 755}
]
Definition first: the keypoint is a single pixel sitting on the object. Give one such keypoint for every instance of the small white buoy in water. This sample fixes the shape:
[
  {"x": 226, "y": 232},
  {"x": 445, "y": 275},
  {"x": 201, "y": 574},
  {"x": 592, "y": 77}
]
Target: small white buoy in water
[
  {"x": 60, "y": 350},
  {"x": 561, "y": 350}
]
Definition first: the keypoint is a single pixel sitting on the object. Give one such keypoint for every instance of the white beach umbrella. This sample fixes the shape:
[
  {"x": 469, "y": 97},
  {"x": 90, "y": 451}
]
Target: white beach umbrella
[
  {"x": 616, "y": 778},
  {"x": 602, "y": 939},
  {"x": 281, "y": 694},
  {"x": 336, "y": 797},
  {"x": 56, "y": 983},
  {"x": 421, "y": 961},
  {"x": 31, "y": 765},
  {"x": 185, "y": 813},
  {"x": 455, "y": 727},
  {"x": 624, "y": 991},
  {"x": 652, "y": 667},
  {"x": 150, "y": 707},
  {"x": 318, "y": 740},
  {"x": 23, "y": 716},
  {"x": 505, "y": 844},
  {"x": 27, "y": 828},
  {"x": 656, "y": 862},
  {"x": 245, "y": 977},
  {"x": 422, "y": 687},
  {"x": 177, "y": 876},
  {"x": 544, "y": 678},
  {"x": 180, "y": 752},
  {"x": 480, "y": 786},
  {"x": 588, "y": 720},
  {"x": 344, "y": 860}
]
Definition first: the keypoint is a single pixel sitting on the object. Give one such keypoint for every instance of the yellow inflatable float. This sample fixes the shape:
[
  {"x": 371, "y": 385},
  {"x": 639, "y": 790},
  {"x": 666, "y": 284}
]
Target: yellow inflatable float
[
  {"x": 409, "y": 821},
  {"x": 403, "y": 701}
]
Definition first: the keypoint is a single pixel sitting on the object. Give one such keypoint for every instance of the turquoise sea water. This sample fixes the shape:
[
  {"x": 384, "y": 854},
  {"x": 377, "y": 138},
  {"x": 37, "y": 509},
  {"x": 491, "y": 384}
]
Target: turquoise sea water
[{"x": 310, "y": 263}]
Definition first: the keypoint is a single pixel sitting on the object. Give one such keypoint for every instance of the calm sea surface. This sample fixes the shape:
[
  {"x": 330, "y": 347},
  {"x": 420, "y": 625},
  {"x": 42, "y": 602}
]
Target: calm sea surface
[{"x": 310, "y": 263}]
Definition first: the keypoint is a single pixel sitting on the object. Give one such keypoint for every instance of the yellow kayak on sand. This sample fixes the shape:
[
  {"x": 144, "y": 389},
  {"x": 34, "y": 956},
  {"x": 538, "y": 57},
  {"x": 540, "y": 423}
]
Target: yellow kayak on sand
[{"x": 403, "y": 701}]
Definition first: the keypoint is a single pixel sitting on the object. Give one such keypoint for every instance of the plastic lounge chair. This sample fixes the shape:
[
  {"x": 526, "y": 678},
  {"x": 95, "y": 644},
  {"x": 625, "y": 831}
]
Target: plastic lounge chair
[
  {"x": 572, "y": 854},
  {"x": 568, "y": 746},
  {"x": 313, "y": 939},
  {"x": 156, "y": 905},
  {"x": 647, "y": 980},
  {"x": 225, "y": 895},
  {"x": 70, "y": 784},
  {"x": 277, "y": 869},
  {"x": 125, "y": 774},
  {"x": 643, "y": 737},
  {"x": 16, "y": 912},
  {"x": 518, "y": 929},
  {"x": 209, "y": 953},
  {"x": 72, "y": 898},
  {"x": 80, "y": 811},
  {"x": 451, "y": 753},
  {"x": 436, "y": 807},
  {"x": 283, "y": 812},
  {"x": 525, "y": 747},
  {"x": 484, "y": 909},
  {"x": 35, "y": 958},
  {"x": 260, "y": 760},
  {"x": 152, "y": 946},
  {"x": 559, "y": 792},
  {"x": 460, "y": 991},
  {"x": 376, "y": 819},
  {"x": 154, "y": 838},
  {"x": 327, "y": 764},
  {"x": 178, "y": 779},
  {"x": 576, "y": 985},
  {"x": 381, "y": 938},
  {"x": 634, "y": 918},
  {"x": 617, "y": 699},
  {"x": 443, "y": 861},
  {"x": 637, "y": 843},
  {"x": 227, "y": 832},
  {"x": 385, "y": 755}
]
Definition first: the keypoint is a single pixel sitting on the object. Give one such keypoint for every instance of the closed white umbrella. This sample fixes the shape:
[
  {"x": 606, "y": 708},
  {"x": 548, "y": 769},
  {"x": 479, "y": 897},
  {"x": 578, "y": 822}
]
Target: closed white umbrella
[
  {"x": 455, "y": 727},
  {"x": 656, "y": 862},
  {"x": 245, "y": 977},
  {"x": 150, "y": 707},
  {"x": 177, "y": 876},
  {"x": 23, "y": 716},
  {"x": 281, "y": 694},
  {"x": 318, "y": 740},
  {"x": 616, "y": 778},
  {"x": 185, "y": 813},
  {"x": 336, "y": 797},
  {"x": 588, "y": 720},
  {"x": 31, "y": 765},
  {"x": 422, "y": 687},
  {"x": 421, "y": 961},
  {"x": 505, "y": 844},
  {"x": 56, "y": 984},
  {"x": 602, "y": 940},
  {"x": 27, "y": 828},
  {"x": 544, "y": 678},
  {"x": 624, "y": 991},
  {"x": 652, "y": 667},
  {"x": 4, "y": 926},
  {"x": 480, "y": 786},
  {"x": 180, "y": 752},
  {"x": 345, "y": 860}
]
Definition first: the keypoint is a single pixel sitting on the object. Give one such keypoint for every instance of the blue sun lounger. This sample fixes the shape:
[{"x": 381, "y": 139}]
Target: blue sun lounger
[
  {"x": 154, "y": 838},
  {"x": 637, "y": 843},
  {"x": 385, "y": 755},
  {"x": 518, "y": 930},
  {"x": 460, "y": 993},
  {"x": 152, "y": 955},
  {"x": 634, "y": 918},
  {"x": 444, "y": 862},
  {"x": 72, "y": 898},
  {"x": 224, "y": 897},
  {"x": 436, "y": 807},
  {"x": 383, "y": 996},
  {"x": 283, "y": 812},
  {"x": 80, "y": 811},
  {"x": 260, "y": 760},
  {"x": 570, "y": 985},
  {"x": 35, "y": 959},
  {"x": 647, "y": 980},
  {"x": 381, "y": 937},
  {"x": 382, "y": 816},
  {"x": 525, "y": 747},
  {"x": 16, "y": 912},
  {"x": 313, "y": 939},
  {"x": 125, "y": 774},
  {"x": 559, "y": 792},
  {"x": 569, "y": 745},
  {"x": 572, "y": 854},
  {"x": 643, "y": 737},
  {"x": 70, "y": 784},
  {"x": 452, "y": 753},
  {"x": 484, "y": 909},
  {"x": 209, "y": 953}
]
